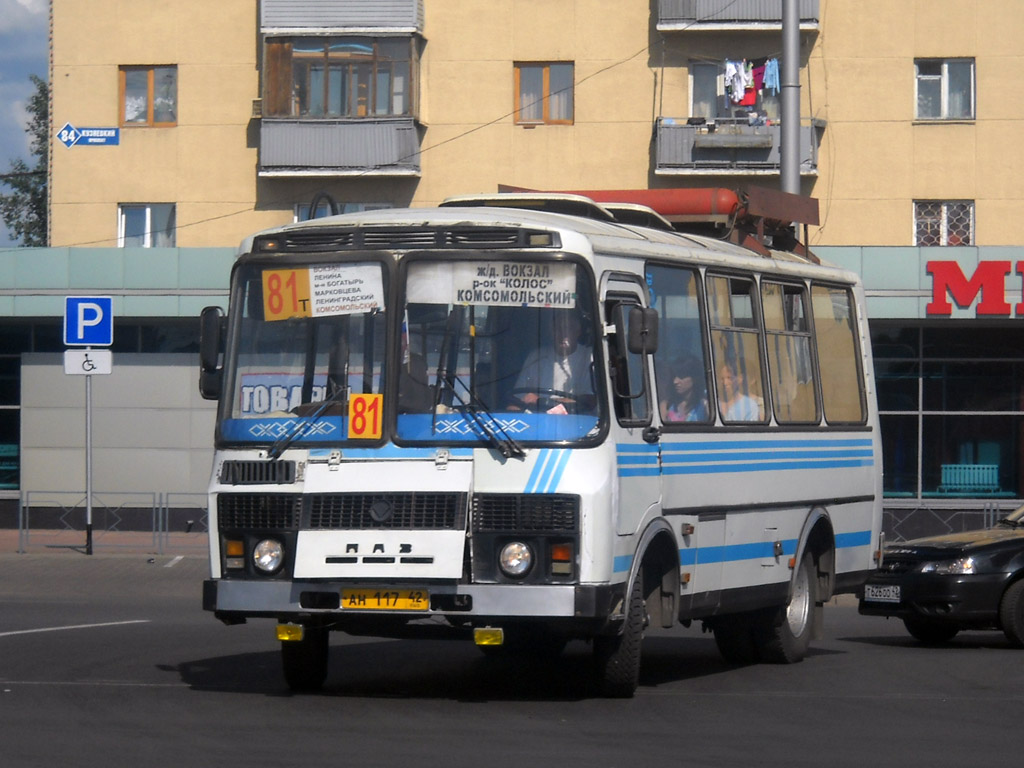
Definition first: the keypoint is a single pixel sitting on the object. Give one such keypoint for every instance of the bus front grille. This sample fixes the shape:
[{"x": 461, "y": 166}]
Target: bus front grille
[
  {"x": 538, "y": 513},
  {"x": 355, "y": 511},
  {"x": 249, "y": 511}
]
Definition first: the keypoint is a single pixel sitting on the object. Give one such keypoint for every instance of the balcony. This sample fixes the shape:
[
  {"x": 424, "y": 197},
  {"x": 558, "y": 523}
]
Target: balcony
[
  {"x": 729, "y": 147},
  {"x": 700, "y": 15},
  {"x": 345, "y": 16},
  {"x": 339, "y": 147}
]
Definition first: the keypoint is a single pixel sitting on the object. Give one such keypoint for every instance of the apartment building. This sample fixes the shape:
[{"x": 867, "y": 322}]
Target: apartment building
[{"x": 188, "y": 125}]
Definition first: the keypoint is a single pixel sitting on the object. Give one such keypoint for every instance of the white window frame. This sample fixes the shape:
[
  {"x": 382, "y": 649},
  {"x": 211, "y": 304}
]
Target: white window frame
[
  {"x": 147, "y": 241},
  {"x": 943, "y": 78}
]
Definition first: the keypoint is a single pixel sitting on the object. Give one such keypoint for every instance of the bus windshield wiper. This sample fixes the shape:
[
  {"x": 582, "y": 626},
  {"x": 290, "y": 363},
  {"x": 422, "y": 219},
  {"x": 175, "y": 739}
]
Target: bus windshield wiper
[
  {"x": 302, "y": 426},
  {"x": 477, "y": 411},
  {"x": 1009, "y": 522}
]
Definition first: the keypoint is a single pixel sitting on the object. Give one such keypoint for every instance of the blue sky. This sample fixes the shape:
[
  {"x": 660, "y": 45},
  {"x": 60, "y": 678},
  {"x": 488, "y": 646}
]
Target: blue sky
[{"x": 24, "y": 51}]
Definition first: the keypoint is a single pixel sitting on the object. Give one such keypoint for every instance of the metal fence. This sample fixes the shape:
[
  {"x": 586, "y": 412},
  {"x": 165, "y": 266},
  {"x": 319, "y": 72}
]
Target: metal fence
[
  {"x": 57, "y": 519},
  {"x": 905, "y": 522}
]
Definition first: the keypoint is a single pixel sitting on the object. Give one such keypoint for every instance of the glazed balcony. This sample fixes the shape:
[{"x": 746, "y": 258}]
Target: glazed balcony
[
  {"x": 733, "y": 15},
  {"x": 729, "y": 147},
  {"x": 339, "y": 147}
]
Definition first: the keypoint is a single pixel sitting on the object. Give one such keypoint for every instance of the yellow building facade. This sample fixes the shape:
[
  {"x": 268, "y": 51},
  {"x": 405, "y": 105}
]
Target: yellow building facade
[{"x": 231, "y": 116}]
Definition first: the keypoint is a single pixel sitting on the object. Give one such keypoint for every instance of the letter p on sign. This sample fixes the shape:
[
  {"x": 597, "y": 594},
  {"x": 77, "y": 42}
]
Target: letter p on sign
[{"x": 88, "y": 321}]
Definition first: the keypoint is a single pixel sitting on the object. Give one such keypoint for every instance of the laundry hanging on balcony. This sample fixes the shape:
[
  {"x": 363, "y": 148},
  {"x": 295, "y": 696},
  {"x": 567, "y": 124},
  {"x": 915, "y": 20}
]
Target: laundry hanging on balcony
[{"x": 745, "y": 79}]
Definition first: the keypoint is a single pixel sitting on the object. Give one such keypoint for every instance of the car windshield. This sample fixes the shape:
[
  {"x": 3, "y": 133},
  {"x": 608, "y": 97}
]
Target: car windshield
[
  {"x": 496, "y": 350},
  {"x": 305, "y": 336}
]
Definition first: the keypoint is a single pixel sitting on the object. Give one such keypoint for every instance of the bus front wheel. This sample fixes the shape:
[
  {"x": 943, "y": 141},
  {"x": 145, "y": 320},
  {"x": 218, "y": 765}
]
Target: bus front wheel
[
  {"x": 617, "y": 657},
  {"x": 305, "y": 661}
]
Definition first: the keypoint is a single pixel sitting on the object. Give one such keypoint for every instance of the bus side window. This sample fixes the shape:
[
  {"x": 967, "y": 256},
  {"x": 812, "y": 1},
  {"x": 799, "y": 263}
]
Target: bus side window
[
  {"x": 736, "y": 345},
  {"x": 790, "y": 364},
  {"x": 681, "y": 361},
  {"x": 835, "y": 331}
]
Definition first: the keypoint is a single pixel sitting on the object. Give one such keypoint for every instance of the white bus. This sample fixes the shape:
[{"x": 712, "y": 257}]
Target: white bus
[{"x": 528, "y": 427}]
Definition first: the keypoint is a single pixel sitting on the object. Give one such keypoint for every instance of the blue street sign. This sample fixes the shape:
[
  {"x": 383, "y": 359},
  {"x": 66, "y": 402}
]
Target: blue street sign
[
  {"x": 88, "y": 321},
  {"x": 70, "y": 136},
  {"x": 99, "y": 137}
]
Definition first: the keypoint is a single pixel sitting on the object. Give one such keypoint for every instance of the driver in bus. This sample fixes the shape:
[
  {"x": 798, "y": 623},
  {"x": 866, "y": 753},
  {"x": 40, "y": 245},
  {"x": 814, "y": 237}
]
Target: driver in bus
[{"x": 558, "y": 378}]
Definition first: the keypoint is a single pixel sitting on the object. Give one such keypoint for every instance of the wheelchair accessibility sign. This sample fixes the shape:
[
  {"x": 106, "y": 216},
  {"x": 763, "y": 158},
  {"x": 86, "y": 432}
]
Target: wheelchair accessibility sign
[{"x": 88, "y": 362}]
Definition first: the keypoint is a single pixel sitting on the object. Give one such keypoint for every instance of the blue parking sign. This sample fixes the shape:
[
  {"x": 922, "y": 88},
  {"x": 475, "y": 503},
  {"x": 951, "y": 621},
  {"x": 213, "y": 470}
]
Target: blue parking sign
[{"x": 88, "y": 321}]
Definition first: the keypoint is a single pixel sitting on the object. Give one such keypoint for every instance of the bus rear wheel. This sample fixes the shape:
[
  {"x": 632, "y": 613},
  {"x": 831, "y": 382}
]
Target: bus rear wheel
[
  {"x": 305, "y": 661},
  {"x": 783, "y": 635}
]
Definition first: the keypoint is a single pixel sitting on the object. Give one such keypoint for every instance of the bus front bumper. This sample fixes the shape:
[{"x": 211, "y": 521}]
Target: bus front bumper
[{"x": 234, "y": 600}]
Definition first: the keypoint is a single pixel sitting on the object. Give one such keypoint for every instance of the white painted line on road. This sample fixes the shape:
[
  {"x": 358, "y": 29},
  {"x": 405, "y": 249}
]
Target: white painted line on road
[
  {"x": 74, "y": 626},
  {"x": 175, "y": 561}
]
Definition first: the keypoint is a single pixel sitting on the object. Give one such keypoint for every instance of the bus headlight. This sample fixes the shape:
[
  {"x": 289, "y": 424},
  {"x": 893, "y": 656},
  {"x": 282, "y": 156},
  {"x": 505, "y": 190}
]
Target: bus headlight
[
  {"x": 515, "y": 559},
  {"x": 268, "y": 555}
]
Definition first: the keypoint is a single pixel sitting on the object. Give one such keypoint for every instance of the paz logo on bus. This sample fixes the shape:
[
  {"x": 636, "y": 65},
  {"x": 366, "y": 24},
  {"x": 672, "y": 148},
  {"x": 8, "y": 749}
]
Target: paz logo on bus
[{"x": 88, "y": 321}]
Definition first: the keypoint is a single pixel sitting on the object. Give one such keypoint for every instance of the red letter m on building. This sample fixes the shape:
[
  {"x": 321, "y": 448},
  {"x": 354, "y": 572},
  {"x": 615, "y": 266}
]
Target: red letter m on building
[{"x": 989, "y": 280}]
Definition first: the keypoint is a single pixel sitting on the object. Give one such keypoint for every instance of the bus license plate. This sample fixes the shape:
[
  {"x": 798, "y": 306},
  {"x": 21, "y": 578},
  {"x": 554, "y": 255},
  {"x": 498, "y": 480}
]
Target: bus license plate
[
  {"x": 882, "y": 593},
  {"x": 385, "y": 599}
]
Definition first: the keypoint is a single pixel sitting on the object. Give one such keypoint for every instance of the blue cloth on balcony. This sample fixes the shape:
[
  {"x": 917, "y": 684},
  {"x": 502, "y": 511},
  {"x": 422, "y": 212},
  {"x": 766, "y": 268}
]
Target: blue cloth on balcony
[{"x": 771, "y": 75}]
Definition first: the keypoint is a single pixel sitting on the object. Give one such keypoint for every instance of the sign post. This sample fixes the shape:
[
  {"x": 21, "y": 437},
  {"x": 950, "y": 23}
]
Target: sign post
[{"x": 88, "y": 322}]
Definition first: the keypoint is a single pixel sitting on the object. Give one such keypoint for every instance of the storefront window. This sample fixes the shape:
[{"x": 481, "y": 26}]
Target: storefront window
[{"x": 952, "y": 410}]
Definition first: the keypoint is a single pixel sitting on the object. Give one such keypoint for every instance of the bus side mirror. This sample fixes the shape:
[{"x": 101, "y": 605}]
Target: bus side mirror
[
  {"x": 211, "y": 374},
  {"x": 642, "y": 338}
]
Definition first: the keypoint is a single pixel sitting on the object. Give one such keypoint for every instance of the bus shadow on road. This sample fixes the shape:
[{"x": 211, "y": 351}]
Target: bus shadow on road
[{"x": 437, "y": 669}]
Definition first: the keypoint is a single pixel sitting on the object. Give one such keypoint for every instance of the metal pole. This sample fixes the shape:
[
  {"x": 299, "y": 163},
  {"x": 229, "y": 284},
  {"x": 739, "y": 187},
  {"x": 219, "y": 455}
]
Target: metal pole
[
  {"x": 88, "y": 464},
  {"x": 790, "y": 77}
]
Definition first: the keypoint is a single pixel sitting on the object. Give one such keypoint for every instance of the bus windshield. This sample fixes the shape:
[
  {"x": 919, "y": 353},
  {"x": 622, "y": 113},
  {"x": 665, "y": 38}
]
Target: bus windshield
[
  {"x": 308, "y": 339},
  {"x": 497, "y": 350}
]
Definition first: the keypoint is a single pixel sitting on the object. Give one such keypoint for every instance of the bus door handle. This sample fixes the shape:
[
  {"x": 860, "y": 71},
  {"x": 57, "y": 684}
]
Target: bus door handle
[{"x": 652, "y": 434}]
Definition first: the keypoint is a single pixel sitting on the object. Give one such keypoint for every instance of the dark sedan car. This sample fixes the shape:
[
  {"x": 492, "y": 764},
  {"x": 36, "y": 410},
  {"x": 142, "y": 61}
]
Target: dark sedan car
[{"x": 943, "y": 584}]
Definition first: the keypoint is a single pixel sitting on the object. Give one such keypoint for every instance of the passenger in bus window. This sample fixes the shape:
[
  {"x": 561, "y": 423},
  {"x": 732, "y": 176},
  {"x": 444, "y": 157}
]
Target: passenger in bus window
[
  {"x": 687, "y": 396},
  {"x": 733, "y": 401},
  {"x": 558, "y": 378}
]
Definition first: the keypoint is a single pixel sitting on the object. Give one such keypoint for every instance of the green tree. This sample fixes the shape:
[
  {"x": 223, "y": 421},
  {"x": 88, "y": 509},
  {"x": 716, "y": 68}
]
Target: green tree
[{"x": 24, "y": 209}]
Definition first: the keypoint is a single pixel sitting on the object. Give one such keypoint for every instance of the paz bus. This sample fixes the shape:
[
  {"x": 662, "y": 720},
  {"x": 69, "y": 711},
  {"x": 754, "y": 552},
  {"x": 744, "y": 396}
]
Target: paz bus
[{"x": 527, "y": 420}]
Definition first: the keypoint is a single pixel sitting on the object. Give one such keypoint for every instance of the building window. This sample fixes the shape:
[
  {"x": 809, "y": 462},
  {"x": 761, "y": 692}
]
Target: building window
[
  {"x": 149, "y": 96},
  {"x": 945, "y": 89},
  {"x": 324, "y": 209},
  {"x": 146, "y": 225},
  {"x": 544, "y": 93},
  {"x": 331, "y": 77},
  {"x": 943, "y": 222}
]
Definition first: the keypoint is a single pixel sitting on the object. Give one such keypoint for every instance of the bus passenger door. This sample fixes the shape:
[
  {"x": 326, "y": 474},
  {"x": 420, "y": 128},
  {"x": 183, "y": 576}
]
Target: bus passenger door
[{"x": 634, "y": 437}]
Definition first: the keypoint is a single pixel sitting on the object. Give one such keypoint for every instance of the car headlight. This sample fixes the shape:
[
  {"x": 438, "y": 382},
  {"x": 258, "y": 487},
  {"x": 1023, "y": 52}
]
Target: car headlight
[
  {"x": 962, "y": 565},
  {"x": 515, "y": 559},
  {"x": 268, "y": 555}
]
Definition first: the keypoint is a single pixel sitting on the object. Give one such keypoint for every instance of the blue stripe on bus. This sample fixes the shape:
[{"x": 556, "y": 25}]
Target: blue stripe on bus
[
  {"x": 622, "y": 563},
  {"x": 548, "y": 471},
  {"x": 761, "y": 549},
  {"x": 786, "y": 443},
  {"x": 853, "y": 539},
  {"x": 749, "y": 456}
]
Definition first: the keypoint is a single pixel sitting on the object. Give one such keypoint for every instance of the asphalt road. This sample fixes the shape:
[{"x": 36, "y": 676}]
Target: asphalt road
[{"x": 110, "y": 661}]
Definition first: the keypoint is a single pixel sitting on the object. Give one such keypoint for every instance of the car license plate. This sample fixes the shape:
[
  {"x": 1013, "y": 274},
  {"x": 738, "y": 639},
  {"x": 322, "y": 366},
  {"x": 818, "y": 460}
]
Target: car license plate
[
  {"x": 385, "y": 599},
  {"x": 882, "y": 593}
]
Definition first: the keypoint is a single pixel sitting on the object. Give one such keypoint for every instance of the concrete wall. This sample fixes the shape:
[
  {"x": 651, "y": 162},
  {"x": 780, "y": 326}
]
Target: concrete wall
[{"x": 152, "y": 432}]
